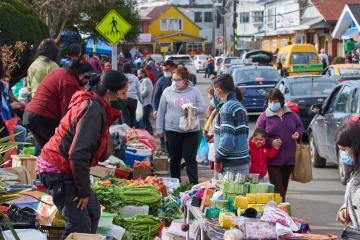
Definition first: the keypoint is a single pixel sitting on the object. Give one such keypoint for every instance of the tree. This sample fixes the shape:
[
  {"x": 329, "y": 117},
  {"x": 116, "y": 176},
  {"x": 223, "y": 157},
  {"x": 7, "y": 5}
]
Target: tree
[{"x": 83, "y": 15}]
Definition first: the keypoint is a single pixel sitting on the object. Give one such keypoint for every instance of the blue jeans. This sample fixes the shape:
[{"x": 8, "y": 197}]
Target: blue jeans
[
  {"x": 242, "y": 169},
  {"x": 21, "y": 137}
]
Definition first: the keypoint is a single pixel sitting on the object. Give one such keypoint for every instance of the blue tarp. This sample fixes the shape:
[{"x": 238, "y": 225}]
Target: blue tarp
[
  {"x": 101, "y": 47},
  {"x": 350, "y": 33}
]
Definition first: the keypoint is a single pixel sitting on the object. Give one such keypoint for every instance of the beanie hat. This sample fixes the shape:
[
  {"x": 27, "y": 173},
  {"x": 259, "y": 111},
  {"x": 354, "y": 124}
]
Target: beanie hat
[{"x": 113, "y": 80}]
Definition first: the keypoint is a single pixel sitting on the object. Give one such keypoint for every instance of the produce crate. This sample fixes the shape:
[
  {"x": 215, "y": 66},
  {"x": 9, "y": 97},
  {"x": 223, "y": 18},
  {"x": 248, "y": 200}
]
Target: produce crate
[
  {"x": 122, "y": 174},
  {"x": 52, "y": 233},
  {"x": 161, "y": 165},
  {"x": 27, "y": 161}
]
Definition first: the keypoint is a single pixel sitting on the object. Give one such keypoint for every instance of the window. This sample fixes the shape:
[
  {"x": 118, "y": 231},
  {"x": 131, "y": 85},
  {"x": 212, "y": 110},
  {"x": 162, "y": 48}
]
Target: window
[
  {"x": 258, "y": 17},
  {"x": 163, "y": 24},
  {"x": 198, "y": 17},
  {"x": 170, "y": 24},
  {"x": 208, "y": 17},
  {"x": 244, "y": 17},
  {"x": 331, "y": 106},
  {"x": 354, "y": 101},
  {"x": 312, "y": 88},
  {"x": 270, "y": 17},
  {"x": 304, "y": 58},
  {"x": 343, "y": 99}
]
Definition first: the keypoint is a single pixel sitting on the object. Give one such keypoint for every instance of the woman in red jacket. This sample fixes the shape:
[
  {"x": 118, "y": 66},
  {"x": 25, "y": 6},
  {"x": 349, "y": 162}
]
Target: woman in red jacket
[
  {"x": 260, "y": 153},
  {"x": 80, "y": 141}
]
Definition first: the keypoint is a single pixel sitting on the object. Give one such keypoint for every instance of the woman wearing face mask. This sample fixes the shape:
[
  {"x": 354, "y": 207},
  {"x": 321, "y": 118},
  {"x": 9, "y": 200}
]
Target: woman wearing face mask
[
  {"x": 81, "y": 141},
  {"x": 283, "y": 127},
  {"x": 146, "y": 89},
  {"x": 180, "y": 143},
  {"x": 348, "y": 142}
]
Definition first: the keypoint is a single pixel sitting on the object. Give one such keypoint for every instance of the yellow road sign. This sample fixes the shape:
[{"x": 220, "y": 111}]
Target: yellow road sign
[{"x": 113, "y": 27}]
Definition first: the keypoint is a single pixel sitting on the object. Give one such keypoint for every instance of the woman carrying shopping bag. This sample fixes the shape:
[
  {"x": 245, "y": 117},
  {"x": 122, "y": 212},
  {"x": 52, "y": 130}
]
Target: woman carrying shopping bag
[
  {"x": 283, "y": 128},
  {"x": 178, "y": 119}
]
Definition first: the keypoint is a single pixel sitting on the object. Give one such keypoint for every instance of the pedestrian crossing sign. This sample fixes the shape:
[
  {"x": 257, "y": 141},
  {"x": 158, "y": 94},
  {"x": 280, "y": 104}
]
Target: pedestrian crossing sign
[{"x": 113, "y": 27}]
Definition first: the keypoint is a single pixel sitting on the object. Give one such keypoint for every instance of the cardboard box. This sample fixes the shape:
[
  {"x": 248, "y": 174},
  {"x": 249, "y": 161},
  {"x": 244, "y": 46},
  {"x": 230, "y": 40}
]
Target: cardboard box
[
  {"x": 16, "y": 174},
  {"x": 27, "y": 161},
  {"x": 100, "y": 171},
  {"x": 141, "y": 172},
  {"x": 84, "y": 236},
  {"x": 161, "y": 165}
]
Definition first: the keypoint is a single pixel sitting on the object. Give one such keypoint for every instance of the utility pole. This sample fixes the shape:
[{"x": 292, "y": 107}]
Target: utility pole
[
  {"x": 224, "y": 26},
  {"x": 235, "y": 27},
  {"x": 214, "y": 13}
]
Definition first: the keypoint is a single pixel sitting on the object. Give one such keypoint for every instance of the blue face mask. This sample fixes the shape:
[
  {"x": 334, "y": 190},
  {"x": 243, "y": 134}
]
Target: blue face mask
[
  {"x": 217, "y": 99},
  {"x": 346, "y": 158},
  {"x": 274, "y": 106},
  {"x": 212, "y": 103}
]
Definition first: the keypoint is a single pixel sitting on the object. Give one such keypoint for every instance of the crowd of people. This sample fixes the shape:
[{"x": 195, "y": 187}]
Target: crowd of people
[{"x": 69, "y": 108}]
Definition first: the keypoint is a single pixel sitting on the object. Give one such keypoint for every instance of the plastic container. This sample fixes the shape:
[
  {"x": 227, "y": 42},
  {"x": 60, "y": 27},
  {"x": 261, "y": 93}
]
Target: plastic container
[
  {"x": 105, "y": 223},
  {"x": 130, "y": 211},
  {"x": 171, "y": 183},
  {"x": 119, "y": 173},
  {"x": 132, "y": 154},
  {"x": 25, "y": 234}
]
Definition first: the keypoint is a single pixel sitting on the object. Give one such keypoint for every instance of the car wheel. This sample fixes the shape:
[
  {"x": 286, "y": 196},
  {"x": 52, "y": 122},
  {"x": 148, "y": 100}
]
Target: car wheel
[
  {"x": 316, "y": 160},
  {"x": 344, "y": 171}
]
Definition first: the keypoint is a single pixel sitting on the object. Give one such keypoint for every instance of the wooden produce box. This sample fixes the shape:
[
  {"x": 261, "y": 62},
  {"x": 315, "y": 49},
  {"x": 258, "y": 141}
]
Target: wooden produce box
[
  {"x": 161, "y": 165},
  {"x": 141, "y": 172},
  {"x": 27, "y": 161}
]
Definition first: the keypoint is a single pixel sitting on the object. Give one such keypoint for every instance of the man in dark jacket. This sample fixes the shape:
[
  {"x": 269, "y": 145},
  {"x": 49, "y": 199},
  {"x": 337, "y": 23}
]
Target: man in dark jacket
[
  {"x": 81, "y": 141},
  {"x": 162, "y": 83}
]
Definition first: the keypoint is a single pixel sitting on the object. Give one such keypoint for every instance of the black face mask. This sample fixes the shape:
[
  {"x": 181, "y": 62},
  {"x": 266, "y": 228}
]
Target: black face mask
[{"x": 119, "y": 104}]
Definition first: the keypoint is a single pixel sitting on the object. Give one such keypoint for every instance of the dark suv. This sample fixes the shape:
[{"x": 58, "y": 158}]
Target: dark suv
[{"x": 342, "y": 103}]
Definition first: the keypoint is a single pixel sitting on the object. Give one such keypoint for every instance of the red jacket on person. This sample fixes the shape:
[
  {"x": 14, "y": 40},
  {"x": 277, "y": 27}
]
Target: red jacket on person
[
  {"x": 151, "y": 75},
  {"x": 52, "y": 98},
  {"x": 259, "y": 157},
  {"x": 80, "y": 140}
]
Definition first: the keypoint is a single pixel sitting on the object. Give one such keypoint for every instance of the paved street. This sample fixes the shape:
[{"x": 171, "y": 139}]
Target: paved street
[{"x": 316, "y": 202}]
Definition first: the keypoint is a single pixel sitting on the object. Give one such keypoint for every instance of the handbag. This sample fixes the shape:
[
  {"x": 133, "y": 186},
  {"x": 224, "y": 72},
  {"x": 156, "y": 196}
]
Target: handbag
[
  {"x": 302, "y": 171},
  {"x": 350, "y": 234}
]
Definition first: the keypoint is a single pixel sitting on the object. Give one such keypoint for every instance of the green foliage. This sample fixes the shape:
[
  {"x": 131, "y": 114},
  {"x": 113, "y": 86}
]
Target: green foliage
[{"x": 94, "y": 14}]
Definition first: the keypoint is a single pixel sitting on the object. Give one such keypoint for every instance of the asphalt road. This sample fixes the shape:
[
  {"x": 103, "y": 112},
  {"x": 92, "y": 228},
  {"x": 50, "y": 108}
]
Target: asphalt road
[{"x": 316, "y": 202}]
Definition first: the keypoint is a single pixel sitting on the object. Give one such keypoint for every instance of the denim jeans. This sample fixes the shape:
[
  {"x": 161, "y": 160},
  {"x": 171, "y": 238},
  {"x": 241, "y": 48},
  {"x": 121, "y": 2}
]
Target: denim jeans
[
  {"x": 242, "y": 169},
  {"x": 21, "y": 137}
]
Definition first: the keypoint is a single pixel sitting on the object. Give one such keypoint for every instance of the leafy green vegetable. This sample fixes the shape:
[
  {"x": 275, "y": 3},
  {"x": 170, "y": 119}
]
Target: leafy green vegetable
[
  {"x": 123, "y": 167},
  {"x": 183, "y": 188},
  {"x": 169, "y": 209},
  {"x": 139, "y": 227}
]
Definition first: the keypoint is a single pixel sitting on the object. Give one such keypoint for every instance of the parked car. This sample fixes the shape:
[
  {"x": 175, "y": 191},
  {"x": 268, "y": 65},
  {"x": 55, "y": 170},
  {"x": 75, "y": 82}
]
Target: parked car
[
  {"x": 226, "y": 63},
  {"x": 343, "y": 72},
  {"x": 258, "y": 56},
  {"x": 304, "y": 91},
  {"x": 183, "y": 59},
  {"x": 199, "y": 62},
  {"x": 255, "y": 81},
  {"x": 342, "y": 103}
]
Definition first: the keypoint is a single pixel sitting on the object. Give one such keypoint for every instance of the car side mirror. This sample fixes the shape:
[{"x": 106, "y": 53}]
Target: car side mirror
[{"x": 316, "y": 108}]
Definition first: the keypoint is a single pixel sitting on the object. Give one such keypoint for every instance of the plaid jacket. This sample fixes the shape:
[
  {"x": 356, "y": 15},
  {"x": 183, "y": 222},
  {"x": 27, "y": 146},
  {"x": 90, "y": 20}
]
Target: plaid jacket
[{"x": 231, "y": 133}]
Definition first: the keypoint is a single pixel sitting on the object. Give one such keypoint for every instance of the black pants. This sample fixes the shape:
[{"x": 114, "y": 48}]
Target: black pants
[
  {"x": 129, "y": 112},
  {"x": 183, "y": 145},
  {"x": 62, "y": 188},
  {"x": 280, "y": 176},
  {"x": 41, "y": 127},
  {"x": 146, "y": 117}
]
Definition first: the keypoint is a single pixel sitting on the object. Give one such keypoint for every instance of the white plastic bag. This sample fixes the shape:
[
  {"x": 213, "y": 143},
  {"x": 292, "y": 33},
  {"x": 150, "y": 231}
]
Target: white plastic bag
[
  {"x": 139, "y": 111},
  {"x": 191, "y": 121}
]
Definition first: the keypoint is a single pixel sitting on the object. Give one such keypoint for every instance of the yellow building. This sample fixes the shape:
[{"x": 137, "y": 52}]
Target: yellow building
[
  {"x": 173, "y": 31},
  {"x": 274, "y": 43}
]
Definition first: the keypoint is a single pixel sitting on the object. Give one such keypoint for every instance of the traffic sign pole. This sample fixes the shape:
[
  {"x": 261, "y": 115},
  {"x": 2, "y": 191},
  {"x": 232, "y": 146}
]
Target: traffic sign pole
[{"x": 114, "y": 57}]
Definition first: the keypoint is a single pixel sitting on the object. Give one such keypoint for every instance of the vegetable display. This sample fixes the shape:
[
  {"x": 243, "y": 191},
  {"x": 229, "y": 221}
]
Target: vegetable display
[
  {"x": 139, "y": 227},
  {"x": 169, "y": 209}
]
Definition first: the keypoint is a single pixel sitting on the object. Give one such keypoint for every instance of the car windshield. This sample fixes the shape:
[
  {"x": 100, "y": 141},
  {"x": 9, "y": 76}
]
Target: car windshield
[
  {"x": 242, "y": 76},
  {"x": 228, "y": 60},
  {"x": 181, "y": 59},
  {"x": 349, "y": 71},
  {"x": 311, "y": 88},
  {"x": 304, "y": 58}
]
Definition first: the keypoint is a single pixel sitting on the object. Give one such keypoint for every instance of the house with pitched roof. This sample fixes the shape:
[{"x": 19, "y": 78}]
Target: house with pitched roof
[
  {"x": 171, "y": 30},
  {"x": 302, "y": 21}
]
